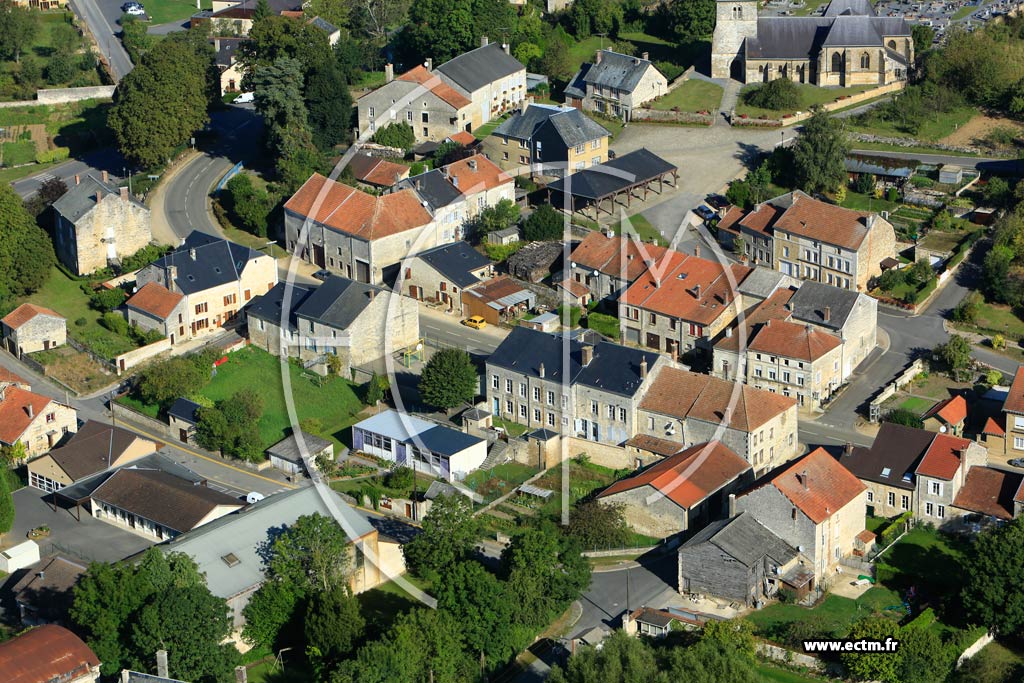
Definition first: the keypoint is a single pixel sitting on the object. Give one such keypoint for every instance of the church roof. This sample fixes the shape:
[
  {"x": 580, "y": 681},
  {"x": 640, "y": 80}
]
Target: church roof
[{"x": 804, "y": 37}]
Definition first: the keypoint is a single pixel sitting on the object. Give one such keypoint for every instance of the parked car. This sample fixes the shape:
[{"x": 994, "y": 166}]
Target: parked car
[
  {"x": 136, "y": 11},
  {"x": 322, "y": 274},
  {"x": 1017, "y": 462},
  {"x": 244, "y": 98},
  {"x": 254, "y": 497},
  {"x": 477, "y": 322},
  {"x": 129, "y": 5},
  {"x": 706, "y": 213}
]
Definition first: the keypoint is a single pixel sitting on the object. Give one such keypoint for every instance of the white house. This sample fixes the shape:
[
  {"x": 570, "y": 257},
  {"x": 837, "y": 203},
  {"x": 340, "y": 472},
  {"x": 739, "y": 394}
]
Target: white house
[{"x": 417, "y": 443}]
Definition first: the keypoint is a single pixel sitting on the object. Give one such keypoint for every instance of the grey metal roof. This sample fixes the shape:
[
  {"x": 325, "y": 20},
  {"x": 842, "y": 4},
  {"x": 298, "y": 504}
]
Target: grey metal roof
[
  {"x": 432, "y": 187},
  {"x": 571, "y": 125},
  {"x": 288, "y": 447},
  {"x": 812, "y": 298},
  {"x": 338, "y": 302},
  {"x": 474, "y": 69},
  {"x": 324, "y": 25},
  {"x": 614, "y": 176},
  {"x": 81, "y": 198},
  {"x": 762, "y": 282},
  {"x": 577, "y": 86},
  {"x": 243, "y": 535},
  {"x": 408, "y": 428},
  {"x": 439, "y": 488},
  {"x": 616, "y": 70},
  {"x": 853, "y": 31},
  {"x": 153, "y": 462},
  {"x": 887, "y": 166},
  {"x": 854, "y": 7},
  {"x": 456, "y": 261},
  {"x": 744, "y": 539},
  {"x": 184, "y": 409},
  {"x": 270, "y": 306},
  {"x": 205, "y": 261}
]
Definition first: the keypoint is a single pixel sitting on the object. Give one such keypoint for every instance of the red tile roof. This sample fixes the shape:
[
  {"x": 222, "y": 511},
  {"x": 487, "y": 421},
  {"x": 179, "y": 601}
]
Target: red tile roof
[
  {"x": 619, "y": 257},
  {"x": 25, "y": 312},
  {"x": 477, "y": 174},
  {"x": 818, "y": 485},
  {"x": 993, "y": 427},
  {"x": 989, "y": 492},
  {"x": 730, "y": 219},
  {"x": 447, "y": 93},
  {"x": 653, "y": 444},
  {"x": 793, "y": 340},
  {"x": 952, "y": 411},
  {"x": 357, "y": 213},
  {"x": 867, "y": 536},
  {"x": 377, "y": 171},
  {"x": 464, "y": 138},
  {"x": 772, "y": 308},
  {"x": 687, "y": 288},
  {"x": 688, "y": 477},
  {"x": 761, "y": 218},
  {"x": 43, "y": 654},
  {"x": 818, "y": 220},
  {"x": 14, "y": 412},
  {"x": 1015, "y": 398},
  {"x": 155, "y": 299},
  {"x": 942, "y": 459},
  {"x": 8, "y": 377},
  {"x": 683, "y": 394},
  {"x": 577, "y": 289}
]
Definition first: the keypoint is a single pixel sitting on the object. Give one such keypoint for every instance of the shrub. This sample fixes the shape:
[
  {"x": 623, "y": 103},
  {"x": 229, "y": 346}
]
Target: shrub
[
  {"x": 999, "y": 342},
  {"x": 572, "y": 317},
  {"x": 967, "y": 310},
  {"x": 106, "y": 300},
  {"x": 398, "y": 135},
  {"x": 81, "y": 322},
  {"x": 921, "y": 181},
  {"x": 500, "y": 252},
  {"x": 115, "y": 322},
  {"x": 892, "y": 195},
  {"x": 865, "y": 183},
  {"x": 51, "y": 155},
  {"x": 60, "y": 69},
  {"x": 778, "y": 95},
  {"x": 546, "y": 223}
]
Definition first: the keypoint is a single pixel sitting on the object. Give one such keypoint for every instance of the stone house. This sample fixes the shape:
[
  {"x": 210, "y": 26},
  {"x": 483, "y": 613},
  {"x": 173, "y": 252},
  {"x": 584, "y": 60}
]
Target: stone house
[
  {"x": 948, "y": 416},
  {"x": 989, "y": 495},
  {"x": 37, "y": 421},
  {"x": 442, "y": 273},
  {"x": 888, "y": 468},
  {"x": 30, "y": 328},
  {"x": 216, "y": 278},
  {"x": 941, "y": 473},
  {"x": 680, "y": 303},
  {"x": 481, "y": 183},
  {"x": 547, "y": 140},
  {"x": 809, "y": 239},
  {"x": 740, "y": 559},
  {"x": 595, "y": 392},
  {"x": 362, "y": 324},
  {"x": 225, "y": 50},
  {"x": 460, "y": 95},
  {"x": 182, "y": 418},
  {"x": 376, "y": 172},
  {"x": 682, "y": 492},
  {"x": 1003, "y": 434},
  {"x": 615, "y": 84},
  {"x": 795, "y": 359},
  {"x": 235, "y": 17},
  {"x": 154, "y": 307},
  {"x": 96, "y": 224},
  {"x": 607, "y": 264},
  {"x": 815, "y": 505},
  {"x": 848, "y": 44},
  {"x": 689, "y": 408}
]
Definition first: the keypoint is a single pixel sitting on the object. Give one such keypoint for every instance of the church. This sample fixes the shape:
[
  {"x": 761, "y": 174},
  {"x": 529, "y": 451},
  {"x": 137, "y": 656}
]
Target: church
[{"x": 848, "y": 45}]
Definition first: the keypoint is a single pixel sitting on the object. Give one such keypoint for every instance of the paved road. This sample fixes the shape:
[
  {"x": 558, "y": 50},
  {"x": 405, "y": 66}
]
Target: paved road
[
  {"x": 991, "y": 165},
  {"x": 108, "y": 159},
  {"x": 652, "y": 584},
  {"x": 102, "y": 16}
]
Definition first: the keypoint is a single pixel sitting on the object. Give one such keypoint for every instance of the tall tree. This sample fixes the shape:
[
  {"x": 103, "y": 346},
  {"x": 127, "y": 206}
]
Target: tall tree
[
  {"x": 478, "y": 600},
  {"x": 262, "y": 11},
  {"x": 993, "y": 572},
  {"x": 873, "y": 666},
  {"x": 621, "y": 658},
  {"x": 439, "y": 29},
  {"x": 449, "y": 379},
  {"x": 375, "y": 18},
  {"x": 819, "y": 155},
  {"x": 18, "y": 26},
  {"x": 162, "y": 102},
  {"x": 449, "y": 533},
  {"x": 329, "y": 104},
  {"x": 689, "y": 20},
  {"x": 545, "y": 572},
  {"x": 333, "y": 623},
  {"x": 26, "y": 253},
  {"x": 6, "y": 501},
  {"x": 277, "y": 37}
]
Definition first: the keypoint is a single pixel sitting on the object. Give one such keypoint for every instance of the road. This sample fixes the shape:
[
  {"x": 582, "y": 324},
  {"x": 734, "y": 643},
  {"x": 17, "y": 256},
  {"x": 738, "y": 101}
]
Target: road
[
  {"x": 108, "y": 159},
  {"x": 989, "y": 165},
  {"x": 102, "y": 16}
]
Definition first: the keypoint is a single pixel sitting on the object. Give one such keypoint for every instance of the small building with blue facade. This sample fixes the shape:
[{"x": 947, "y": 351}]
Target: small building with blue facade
[{"x": 425, "y": 446}]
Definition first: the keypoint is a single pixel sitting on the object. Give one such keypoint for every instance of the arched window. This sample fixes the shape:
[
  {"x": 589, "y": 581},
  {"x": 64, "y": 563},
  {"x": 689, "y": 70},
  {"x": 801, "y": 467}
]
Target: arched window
[
  {"x": 737, "y": 12},
  {"x": 784, "y": 71},
  {"x": 837, "y": 61},
  {"x": 865, "y": 60},
  {"x": 892, "y": 44}
]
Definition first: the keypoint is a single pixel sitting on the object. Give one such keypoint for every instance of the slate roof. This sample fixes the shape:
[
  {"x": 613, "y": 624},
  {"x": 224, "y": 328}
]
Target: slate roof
[
  {"x": 217, "y": 262},
  {"x": 456, "y": 262},
  {"x": 811, "y": 300},
  {"x": 163, "y": 498},
  {"x": 614, "y": 368},
  {"x": 684, "y": 394},
  {"x": 43, "y": 654},
  {"x": 270, "y": 306},
  {"x": 854, "y": 7},
  {"x": 244, "y": 534},
  {"x": 225, "y": 50},
  {"x": 338, "y": 302},
  {"x": 289, "y": 449},
  {"x": 25, "y": 312},
  {"x": 989, "y": 492},
  {"x": 616, "y": 70},
  {"x": 793, "y": 340},
  {"x": 377, "y": 171},
  {"x": 155, "y": 299},
  {"x": 763, "y": 282},
  {"x": 816, "y": 484},
  {"x": 629, "y": 170},
  {"x": 688, "y": 477},
  {"x": 853, "y": 31},
  {"x": 942, "y": 459},
  {"x": 952, "y": 411},
  {"x": 46, "y": 589},
  {"x": 572, "y": 126},
  {"x": 81, "y": 198},
  {"x": 444, "y": 92},
  {"x": 1014, "y": 402},
  {"x": 184, "y": 409},
  {"x": 804, "y": 37},
  {"x": 94, "y": 448},
  {"x": 892, "y": 458},
  {"x": 432, "y": 187},
  {"x": 474, "y": 69},
  {"x": 744, "y": 539},
  {"x": 410, "y": 429},
  {"x": 14, "y": 412}
]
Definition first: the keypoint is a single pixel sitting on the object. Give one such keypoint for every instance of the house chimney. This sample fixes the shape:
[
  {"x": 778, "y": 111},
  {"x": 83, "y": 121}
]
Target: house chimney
[
  {"x": 728, "y": 332},
  {"x": 372, "y": 293},
  {"x": 504, "y": 46},
  {"x": 472, "y": 164},
  {"x": 540, "y": 371},
  {"x": 587, "y": 353},
  {"x": 161, "y": 664},
  {"x": 241, "y": 674},
  {"x": 646, "y": 56},
  {"x": 732, "y": 505},
  {"x": 42, "y": 575},
  {"x": 828, "y": 313},
  {"x": 597, "y": 57},
  {"x": 803, "y": 479},
  {"x": 484, "y": 40},
  {"x": 643, "y": 368},
  {"x": 389, "y": 73},
  {"x": 429, "y": 64},
  {"x": 124, "y": 193},
  {"x": 31, "y": 410},
  {"x": 78, "y": 179},
  {"x": 99, "y": 196},
  {"x": 216, "y": 44},
  {"x": 696, "y": 251},
  {"x": 125, "y": 676},
  {"x": 104, "y": 176},
  {"x": 696, "y": 291},
  {"x": 848, "y": 449},
  {"x": 192, "y": 253}
]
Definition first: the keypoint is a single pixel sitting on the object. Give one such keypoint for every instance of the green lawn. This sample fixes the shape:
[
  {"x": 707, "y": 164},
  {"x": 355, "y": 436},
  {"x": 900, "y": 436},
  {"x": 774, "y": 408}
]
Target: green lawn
[
  {"x": 608, "y": 325},
  {"x": 65, "y": 296},
  {"x": 932, "y": 129},
  {"x": 773, "y": 674},
  {"x": 875, "y": 523},
  {"x": 18, "y": 153},
  {"x": 917, "y": 405},
  {"x": 917, "y": 149},
  {"x": 927, "y": 560},
  {"x": 809, "y": 6},
  {"x": 692, "y": 95},
  {"x": 864, "y": 202},
  {"x": 511, "y": 428},
  {"x": 964, "y": 11},
  {"x": 643, "y": 228},
  {"x": 498, "y": 480},
  {"x": 810, "y": 95},
  {"x": 1001, "y": 319},
  {"x": 834, "y": 614},
  {"x": 42, "y": 47},
  {"x": 268, "y": 672},
  {"x": 335, "y": 404},
  {"x": 488, "y": 128},
  {"x": 166, "y": 11}
]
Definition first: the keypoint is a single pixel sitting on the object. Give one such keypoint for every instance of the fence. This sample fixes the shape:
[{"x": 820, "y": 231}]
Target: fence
[
  {"x": 781, "y": 654},
  {"x": 79, "y": 346},
  {"x": 904, "y": 378},
  {"x": 841, "y": 103},
  {"x": 673, "y": 116},
  {"x": 974, "y": 649}
]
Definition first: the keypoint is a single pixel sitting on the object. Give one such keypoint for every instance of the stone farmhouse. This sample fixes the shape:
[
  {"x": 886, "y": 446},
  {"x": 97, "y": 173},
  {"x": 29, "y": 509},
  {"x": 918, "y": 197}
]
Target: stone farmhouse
[
  {"x": 607, "y": 264},
  {"x": 96, "y": 224},
  {"x": 1003, "y": 434},
  {"x": 615, "y": 84},
  {"x": 441, "y": 274},
  {"x": 462, "y": 94},
  {"x": 547, "y": 140},
  {"x": 848, "y": 45},
  {"x": 215, "y": 277},
  {"x": 37, "y": 421},
  {"x": 30, "y": 328}
]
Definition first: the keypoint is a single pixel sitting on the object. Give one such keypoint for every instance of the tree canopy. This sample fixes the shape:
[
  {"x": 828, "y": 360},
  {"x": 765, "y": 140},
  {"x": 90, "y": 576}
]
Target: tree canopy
[
  {"x": 232, "y": 426},
  {"x": 26, "y": 253},
  {"x": 819, "y": 154},
  {"x": 450, "y": 531},
  {"x": 544, "y": 224},
  {"x": 449, "y": 379},
  {"x": 993, "y": 572}
]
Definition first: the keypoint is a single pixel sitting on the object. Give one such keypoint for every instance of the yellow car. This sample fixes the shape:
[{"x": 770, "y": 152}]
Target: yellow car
[{"x": 477, "y": 322}]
